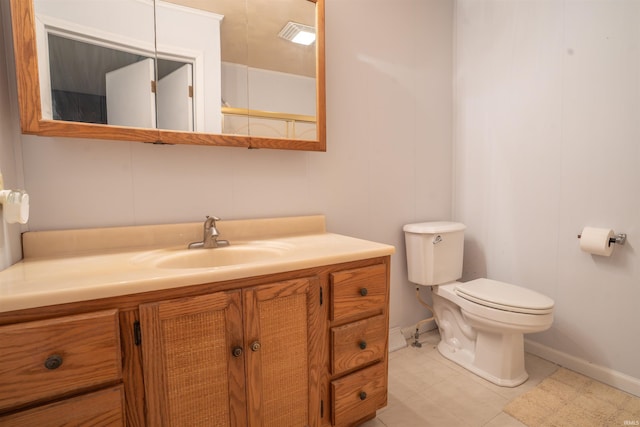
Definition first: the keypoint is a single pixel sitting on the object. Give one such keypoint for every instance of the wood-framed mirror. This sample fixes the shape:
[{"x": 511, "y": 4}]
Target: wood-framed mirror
[{"x": 221, "y": 108}]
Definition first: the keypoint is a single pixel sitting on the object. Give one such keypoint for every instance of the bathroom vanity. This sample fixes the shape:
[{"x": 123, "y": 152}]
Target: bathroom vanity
[{"x": 288, "y": 326}]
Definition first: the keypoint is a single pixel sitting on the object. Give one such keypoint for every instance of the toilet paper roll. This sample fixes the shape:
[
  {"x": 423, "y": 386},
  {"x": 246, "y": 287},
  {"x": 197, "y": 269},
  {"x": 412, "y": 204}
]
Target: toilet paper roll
[{"x": 596, "y": 241}]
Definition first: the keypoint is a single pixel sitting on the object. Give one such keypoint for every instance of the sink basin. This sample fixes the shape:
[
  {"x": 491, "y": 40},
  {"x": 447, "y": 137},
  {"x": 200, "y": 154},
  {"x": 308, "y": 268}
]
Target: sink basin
[{"x": 222, "y": 257}]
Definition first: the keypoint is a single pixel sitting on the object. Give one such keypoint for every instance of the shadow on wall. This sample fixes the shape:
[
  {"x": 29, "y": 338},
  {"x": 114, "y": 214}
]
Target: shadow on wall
[
  {"x": 623, "y": 258},
  {"x": 475, "y": 263}
]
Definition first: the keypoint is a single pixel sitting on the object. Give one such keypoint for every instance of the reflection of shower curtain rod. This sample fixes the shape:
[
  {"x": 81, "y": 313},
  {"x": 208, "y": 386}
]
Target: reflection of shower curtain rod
[{"x": 267, "y": 114}]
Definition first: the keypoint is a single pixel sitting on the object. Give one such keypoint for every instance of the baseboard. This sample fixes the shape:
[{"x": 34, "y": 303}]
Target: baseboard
[
  {"x": 409, "y": 331},
  {"x": 396, "y": 339},
  {"x": 398, "y": 336},
  {"x": 600, "y": 373}
]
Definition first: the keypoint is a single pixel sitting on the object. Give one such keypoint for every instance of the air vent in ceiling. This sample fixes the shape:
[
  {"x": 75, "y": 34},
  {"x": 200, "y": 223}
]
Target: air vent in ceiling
[{"x": 298, "y": 33}]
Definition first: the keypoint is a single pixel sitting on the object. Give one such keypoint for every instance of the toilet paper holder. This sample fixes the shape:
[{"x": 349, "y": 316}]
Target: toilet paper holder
[
  {"x": 15, "y": 206},
  {"x": 618, "y": 239}
]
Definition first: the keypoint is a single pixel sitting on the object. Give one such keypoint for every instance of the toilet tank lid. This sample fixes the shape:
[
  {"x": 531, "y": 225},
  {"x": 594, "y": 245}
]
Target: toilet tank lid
[{"x": 434, "y": 227}]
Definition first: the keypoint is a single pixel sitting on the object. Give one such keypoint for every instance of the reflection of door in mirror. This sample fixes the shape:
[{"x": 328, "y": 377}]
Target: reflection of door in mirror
[
  {"x": 130, "y": 100},
  {"x": 175, "y": 99},
  {"x": 80, "y": 43},
  {"x": 73, "y": 93}
]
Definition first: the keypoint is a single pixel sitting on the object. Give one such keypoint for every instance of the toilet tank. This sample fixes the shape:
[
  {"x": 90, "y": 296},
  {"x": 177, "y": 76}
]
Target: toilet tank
[{"x": 434, "y": 251}]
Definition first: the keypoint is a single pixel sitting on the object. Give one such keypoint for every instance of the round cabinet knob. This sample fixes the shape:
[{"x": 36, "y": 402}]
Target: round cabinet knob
[
  {"x": 364, "y": 292},
  {"x": 237, "y": 351},
  {"x": 363, "y": 395},
  {"x": 255, "y": 346},
  {"x": 53, "y": 362},
  {"x": 363, "y": 345}
]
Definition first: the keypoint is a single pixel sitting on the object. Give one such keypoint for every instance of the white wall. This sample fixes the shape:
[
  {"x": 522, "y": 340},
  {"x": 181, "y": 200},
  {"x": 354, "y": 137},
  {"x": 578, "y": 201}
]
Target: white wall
[
  {"x": 10, "y": 163},
  {"x": 547, "y": 141},
  {"x": 388, "y": 160},
  {"x": 270, "y": 90}
]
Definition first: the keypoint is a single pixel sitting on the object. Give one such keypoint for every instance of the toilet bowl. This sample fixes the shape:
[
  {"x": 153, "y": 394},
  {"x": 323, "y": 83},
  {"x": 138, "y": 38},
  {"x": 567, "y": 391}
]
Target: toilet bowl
[
  {"x": 482, "y": 331},
  {"x": 481, "y": 322}
]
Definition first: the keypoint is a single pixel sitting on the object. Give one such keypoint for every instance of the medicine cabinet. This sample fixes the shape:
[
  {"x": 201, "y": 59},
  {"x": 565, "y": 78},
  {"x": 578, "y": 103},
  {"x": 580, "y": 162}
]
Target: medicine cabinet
[{"x": 221, "y": 73}]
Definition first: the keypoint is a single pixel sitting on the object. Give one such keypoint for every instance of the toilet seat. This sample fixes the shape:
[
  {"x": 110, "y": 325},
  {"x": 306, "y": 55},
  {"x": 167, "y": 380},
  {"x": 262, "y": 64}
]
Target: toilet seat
[{"x": 504, "y": 296}]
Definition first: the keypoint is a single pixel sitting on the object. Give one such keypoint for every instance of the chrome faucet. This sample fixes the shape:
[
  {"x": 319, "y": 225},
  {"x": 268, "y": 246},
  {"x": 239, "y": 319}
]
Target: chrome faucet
[{"x": 210, "y": 238}]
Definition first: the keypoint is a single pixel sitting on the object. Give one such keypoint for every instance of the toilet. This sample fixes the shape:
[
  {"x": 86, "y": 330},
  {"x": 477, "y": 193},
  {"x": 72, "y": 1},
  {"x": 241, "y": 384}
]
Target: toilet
[{"x": 481, "y": 322}]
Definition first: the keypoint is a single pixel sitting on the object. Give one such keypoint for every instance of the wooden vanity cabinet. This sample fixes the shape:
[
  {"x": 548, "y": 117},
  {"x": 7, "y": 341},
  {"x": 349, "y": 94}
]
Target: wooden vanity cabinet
[
  {"x": 359, "y": 329},
  {"x": 305, "y": 348},
  {"x": 72, "y": 361},
  {"x": 103, "y": 408},
  {"x": 235, "y": 358}
]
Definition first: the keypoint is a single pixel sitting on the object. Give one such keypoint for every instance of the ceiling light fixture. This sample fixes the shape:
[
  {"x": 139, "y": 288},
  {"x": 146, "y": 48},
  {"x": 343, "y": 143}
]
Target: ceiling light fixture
[{"x": 298, "y": 33}]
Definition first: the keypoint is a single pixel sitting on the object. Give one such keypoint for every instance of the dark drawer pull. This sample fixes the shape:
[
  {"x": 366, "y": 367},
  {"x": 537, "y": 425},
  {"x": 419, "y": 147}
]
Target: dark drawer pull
[
  {"x": 255, "y": 346},
  {"x": 53, "y": 362},
  {"x": 364, "y": 292},
  {"x": 237, "y": 352},
  {"x": 363, "y": 345},
  {"x": 363, "y": 395}
]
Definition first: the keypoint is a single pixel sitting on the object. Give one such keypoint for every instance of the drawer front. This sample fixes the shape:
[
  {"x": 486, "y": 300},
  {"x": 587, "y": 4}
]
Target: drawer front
[
  {"x": 100, "y": 409},
  {"x": 359, "y": 395},
  {"x": 44, "y": 359},
  {"x": 358, "y": 343},
  {"x": 359, "y": 290}
]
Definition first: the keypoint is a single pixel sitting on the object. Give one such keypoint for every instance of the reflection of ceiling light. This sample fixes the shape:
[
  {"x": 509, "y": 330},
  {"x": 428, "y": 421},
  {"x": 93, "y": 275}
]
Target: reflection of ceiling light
[{"x": 298, "y": 33}]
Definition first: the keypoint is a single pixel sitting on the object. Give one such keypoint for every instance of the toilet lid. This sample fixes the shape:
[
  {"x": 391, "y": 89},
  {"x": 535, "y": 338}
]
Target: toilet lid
[{"x": 505, "y": 296}]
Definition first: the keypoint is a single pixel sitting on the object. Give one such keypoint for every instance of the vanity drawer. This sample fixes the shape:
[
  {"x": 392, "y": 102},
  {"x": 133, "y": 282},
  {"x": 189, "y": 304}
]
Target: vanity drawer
[
  {"x": 358, "y": 343},
  {"x": 100, "y": 409},
  {"x": 359, "y": 395},
  {"x": 48, "y": 358},
  {"x": 359, "y": 290}
]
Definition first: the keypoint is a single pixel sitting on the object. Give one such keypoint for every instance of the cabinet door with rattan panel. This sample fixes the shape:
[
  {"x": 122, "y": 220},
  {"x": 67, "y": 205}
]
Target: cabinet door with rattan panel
[
  {"x": 193, "y": 361},
  {"x": 282, "y": 330}
]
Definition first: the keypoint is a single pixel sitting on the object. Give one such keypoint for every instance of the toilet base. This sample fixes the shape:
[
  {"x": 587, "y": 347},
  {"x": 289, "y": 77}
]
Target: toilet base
[
  {"x": 489, "y": 350},
  {"x": 504, "y": 368}
]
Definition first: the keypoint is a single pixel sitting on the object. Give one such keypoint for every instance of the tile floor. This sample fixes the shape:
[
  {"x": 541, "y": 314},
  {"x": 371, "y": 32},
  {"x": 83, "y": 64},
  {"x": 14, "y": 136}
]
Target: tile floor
[{"x": 425, "y": 389}]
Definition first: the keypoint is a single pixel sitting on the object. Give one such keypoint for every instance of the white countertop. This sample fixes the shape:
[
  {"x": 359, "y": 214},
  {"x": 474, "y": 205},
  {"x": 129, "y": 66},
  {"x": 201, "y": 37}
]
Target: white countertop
[{"x": 79, "y": 273}]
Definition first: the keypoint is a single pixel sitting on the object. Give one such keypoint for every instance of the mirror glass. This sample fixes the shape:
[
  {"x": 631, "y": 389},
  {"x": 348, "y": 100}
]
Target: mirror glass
[
  {"x": 268, "y": 82},
  {"x": 209, "y": 66},
  {"x": 188, "y": 98},
  {"x": 281, "y": 72},
  {"x": 89, "y": 57}
]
